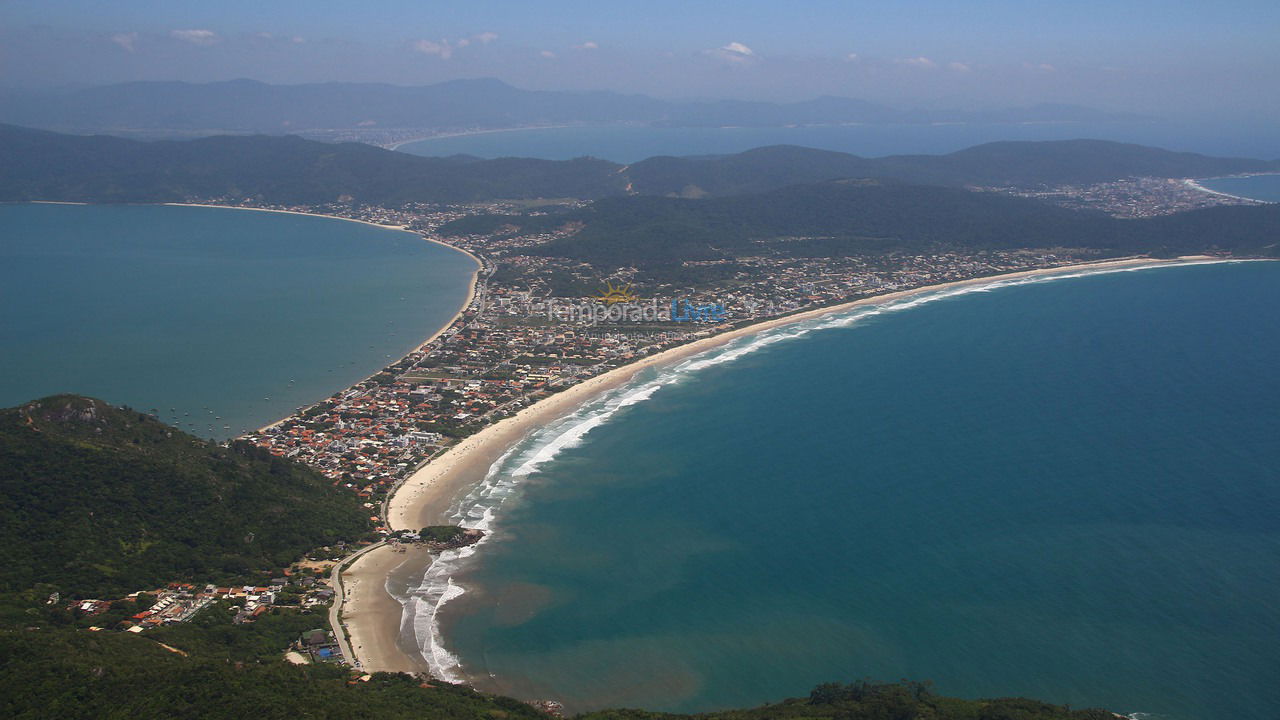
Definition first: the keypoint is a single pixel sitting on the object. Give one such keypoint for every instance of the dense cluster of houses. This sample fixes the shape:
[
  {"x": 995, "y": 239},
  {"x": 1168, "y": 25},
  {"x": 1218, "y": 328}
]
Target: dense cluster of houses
[
  {"x": 509, "y": 349},
  {"x": 1138, "y": 197}
]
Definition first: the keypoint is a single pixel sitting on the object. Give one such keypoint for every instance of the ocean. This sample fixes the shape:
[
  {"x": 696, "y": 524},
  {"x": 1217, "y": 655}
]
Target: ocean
[
  {"x": 1064, "y": 489},
  {"x": 1256, "y": 187},
  {"x": 222, "y": 320},
  {"x": 631, "y": 143}
]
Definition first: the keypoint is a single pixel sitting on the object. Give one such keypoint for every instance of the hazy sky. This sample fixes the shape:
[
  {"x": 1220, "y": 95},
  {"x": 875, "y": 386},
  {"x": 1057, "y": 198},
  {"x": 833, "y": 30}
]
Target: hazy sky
[{"x": 1172, "y": 58}]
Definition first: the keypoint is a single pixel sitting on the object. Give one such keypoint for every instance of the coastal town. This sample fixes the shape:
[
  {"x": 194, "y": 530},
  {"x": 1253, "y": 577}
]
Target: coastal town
[
  {"x": 1141, "y": 197},
  {"x": 522, "y": 336},
  {"x": 513, "y": 344},
  {"x": 639, "y": 361}
]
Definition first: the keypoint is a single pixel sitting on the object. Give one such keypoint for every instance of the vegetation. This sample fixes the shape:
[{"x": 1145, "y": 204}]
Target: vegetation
[
  {"x": 865, "y": 700},
  {"x": 66, "y": 674},
  {"x": 501, "y": 225},
  {"x": 868, "y": 217},
  {"x": 48, "y": 166},
  {"x": 110, "y": 498},
  {"x": 441, "y": 533},
  {"x": 211, "y": 633},
  {"x": 98, "y": 500},
  {"x": 999, "y": 164},
  {"x": 103, "y": 501},
  {"x": 79, "y": 674},
  {"x": 42, "y": 165}
]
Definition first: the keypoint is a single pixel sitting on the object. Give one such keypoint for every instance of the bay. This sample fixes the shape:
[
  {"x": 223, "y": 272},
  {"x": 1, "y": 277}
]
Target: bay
[{"x": 222, "y": 320}]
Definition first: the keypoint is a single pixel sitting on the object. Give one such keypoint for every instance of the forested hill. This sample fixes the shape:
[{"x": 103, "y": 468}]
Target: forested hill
[
  {"x": 855, "y": 217},
  {"x": 1000, "y": 164},
  {"x": 101, "y": 500},
  {"x": 67, "y": 674},
  {"x": 43, "y": 165},
  {"x": 96, "y": 499},
  {"x": 40, "y": 165}
]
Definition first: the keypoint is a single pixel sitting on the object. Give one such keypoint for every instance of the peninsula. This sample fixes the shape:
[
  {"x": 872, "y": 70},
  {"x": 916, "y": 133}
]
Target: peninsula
[
  {"x": 411, "y": 438},
  {"x": 572, "y": 297}
]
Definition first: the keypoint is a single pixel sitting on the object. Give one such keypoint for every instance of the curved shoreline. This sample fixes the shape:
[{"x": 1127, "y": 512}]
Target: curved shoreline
[
  {"x": 466, "y": 302},
  {"x": 426, "y": 496},
  {"x": 467, "y": 133},
  {"x": 363, "y": 610},
  {"x": 1196, "y": 184}
]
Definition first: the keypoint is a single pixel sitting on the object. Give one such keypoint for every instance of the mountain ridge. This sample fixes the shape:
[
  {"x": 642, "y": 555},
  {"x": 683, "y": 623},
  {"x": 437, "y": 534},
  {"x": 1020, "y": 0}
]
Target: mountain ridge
[
  {"x": 45, "y": 165},
  {"x": 244, "y": 105},
  {"x": 849, "y": 218}
]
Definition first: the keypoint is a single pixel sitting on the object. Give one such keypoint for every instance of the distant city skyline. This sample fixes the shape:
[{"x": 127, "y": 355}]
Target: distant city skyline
[{"x": 1178, "y": 60}]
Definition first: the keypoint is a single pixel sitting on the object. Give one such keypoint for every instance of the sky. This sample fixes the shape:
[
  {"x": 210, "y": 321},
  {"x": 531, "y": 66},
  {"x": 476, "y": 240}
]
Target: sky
[{"x": 1171, "y": 58}]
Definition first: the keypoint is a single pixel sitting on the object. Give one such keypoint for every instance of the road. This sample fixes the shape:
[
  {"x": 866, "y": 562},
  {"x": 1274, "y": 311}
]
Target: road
[{"x": 339, "y": 597}]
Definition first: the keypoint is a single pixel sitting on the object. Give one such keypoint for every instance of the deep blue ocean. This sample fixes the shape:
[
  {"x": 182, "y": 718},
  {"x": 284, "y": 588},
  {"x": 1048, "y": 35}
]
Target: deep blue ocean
[
  {"x": 630, "y": 143},
  {"x": 1064, "y": 489},
  {"x": 213, "y": 317}
]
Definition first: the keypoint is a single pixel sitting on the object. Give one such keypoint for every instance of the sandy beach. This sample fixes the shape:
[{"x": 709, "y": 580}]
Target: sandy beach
[
  {"x": 1195, "y": 185},
  {"x": 294, "y": 212},
  {"x": 372, "y": 616},
  {"x": 425, "y": 497},
  {"x": 467, "y": 133}
]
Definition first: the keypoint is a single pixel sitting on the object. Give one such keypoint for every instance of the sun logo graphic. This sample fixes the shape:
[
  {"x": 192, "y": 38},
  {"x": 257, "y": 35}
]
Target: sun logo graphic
[{"x": 612, "y": 294}]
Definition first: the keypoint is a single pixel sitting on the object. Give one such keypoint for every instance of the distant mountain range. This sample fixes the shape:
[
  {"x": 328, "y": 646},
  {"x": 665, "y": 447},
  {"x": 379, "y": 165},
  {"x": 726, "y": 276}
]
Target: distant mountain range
[
  {"x": 247, "y": 106},
  {"x": 42, "y": 165}
]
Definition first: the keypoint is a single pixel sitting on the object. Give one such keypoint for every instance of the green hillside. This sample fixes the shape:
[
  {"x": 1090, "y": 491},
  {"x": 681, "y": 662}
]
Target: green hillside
[
  {"x": 69, "y": 674},
  {"x": 100, "y": 499},
  {"x": 104, "y": 676},
  {"x": 1022, "y": 164},
  {"x": 856, "y": 217},
  {"x": 42, "y": 165},
  {"x": 97, "y": 500}
]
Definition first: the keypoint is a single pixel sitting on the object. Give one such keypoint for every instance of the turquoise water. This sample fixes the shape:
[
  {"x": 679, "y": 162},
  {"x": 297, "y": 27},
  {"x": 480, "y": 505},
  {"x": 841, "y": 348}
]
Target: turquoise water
[
  {"x": 210, "y": 311},
  {"x": 1065, "y": 490},
  {"x": 1258, "y": 187},
  {"x": 625, "y": 144}
]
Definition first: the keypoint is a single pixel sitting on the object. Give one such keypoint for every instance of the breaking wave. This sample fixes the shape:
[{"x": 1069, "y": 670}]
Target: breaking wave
[{"x": 479, "y": 507}]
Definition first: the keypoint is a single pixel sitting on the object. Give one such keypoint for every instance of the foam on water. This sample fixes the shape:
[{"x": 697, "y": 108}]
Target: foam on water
[{"x": 479, "y": 507}]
